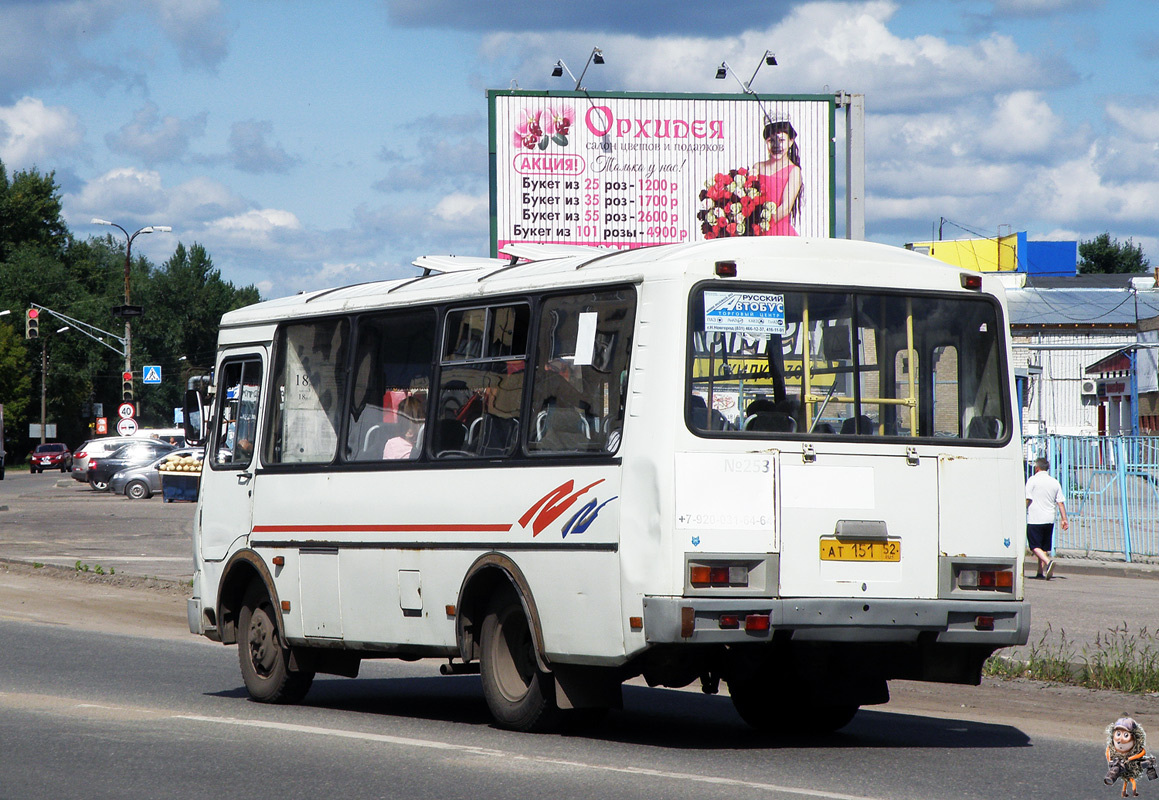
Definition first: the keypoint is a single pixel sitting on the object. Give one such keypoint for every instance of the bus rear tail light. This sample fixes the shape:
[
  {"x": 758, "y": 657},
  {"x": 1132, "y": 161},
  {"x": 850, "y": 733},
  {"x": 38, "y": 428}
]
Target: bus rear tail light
[
  {"x": 983, "y": 623},
  {"x": 1001, "y": 580},
  {"x": 756, "y": 622},
  {"x": 700, "y": 575},
  {"x": 729, "y": 622},
  {"x": 726, "y": 269}
]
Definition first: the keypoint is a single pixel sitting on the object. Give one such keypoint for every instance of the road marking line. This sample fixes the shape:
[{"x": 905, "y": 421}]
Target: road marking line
[{"x": 489, "y": 752}]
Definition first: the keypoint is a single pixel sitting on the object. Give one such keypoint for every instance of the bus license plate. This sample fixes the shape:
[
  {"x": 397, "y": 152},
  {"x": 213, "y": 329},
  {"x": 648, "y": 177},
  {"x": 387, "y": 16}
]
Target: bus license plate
[{"x": 853, "y": 550}]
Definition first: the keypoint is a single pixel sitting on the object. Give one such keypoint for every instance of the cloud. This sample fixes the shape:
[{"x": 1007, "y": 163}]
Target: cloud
[
  {"x": 250, "y": 152},
  {"x": 32, "y": 133},
  {"x": 1076, "y": 192},
  {"x": 198, "y": 29},
  {"x": 137, "y": 197},
  {"x": 818, "y": 46},
  {"x": 652, "y": 17},
  {"x": 62, "y": 42},
  {"x": 155, "y": 139},
  {"x": 1041, "y": 8},
  {"x": 463, "y": 211}
]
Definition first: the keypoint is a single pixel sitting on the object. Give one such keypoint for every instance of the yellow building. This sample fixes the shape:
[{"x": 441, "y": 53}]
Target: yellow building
[
  {"x": 1010, "y": 253},
  {"x": 980, "y": 255}
]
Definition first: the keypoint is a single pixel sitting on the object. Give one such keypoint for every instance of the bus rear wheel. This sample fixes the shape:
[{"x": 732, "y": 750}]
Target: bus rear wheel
[
  {"x": 768, "y": 710},
  {"x": 519, "y": 695},
  {"x": 263, "y": 657}
]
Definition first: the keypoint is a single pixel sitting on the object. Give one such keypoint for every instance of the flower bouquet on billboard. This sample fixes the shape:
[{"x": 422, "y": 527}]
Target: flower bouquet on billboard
[
  {"x": 537, "y": 129},
  {"x": 735, "y": 206}
]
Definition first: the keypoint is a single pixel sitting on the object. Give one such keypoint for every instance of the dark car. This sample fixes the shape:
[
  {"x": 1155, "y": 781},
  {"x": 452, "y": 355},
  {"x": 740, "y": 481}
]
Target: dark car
[
  {"x": 102, "y": 469},
  {"x": 52, "y": 455}
]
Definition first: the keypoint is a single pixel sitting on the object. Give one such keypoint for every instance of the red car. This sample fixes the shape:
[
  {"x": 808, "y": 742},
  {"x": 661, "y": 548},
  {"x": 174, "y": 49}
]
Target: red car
[{"x": 52, "y": 455}]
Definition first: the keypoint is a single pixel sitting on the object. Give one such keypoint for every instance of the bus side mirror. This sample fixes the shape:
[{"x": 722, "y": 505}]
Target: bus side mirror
[{"x": 194, "y": 422}]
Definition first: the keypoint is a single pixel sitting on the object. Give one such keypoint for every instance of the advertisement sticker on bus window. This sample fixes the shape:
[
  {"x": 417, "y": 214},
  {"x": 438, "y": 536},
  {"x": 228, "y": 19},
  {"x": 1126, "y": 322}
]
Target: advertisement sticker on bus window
[
  {"x": 745, "y": 313},
  {"x": 585, "y": 340}
]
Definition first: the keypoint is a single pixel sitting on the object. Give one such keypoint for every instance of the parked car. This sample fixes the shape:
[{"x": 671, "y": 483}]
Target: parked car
[
  {"x": 136, "y": 453},
  {"x": 144, "y": 481},
  {"x": 99, "y": 447},
  {"x": 51, "y": 455}
]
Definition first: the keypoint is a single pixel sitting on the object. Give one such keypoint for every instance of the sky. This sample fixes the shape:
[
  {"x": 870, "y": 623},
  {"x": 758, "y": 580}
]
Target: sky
[{"x": 315, "y": 144}]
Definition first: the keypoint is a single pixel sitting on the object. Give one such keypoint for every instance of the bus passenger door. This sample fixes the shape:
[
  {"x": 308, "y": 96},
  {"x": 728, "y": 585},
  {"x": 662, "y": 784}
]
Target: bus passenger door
[{"x": 225, "y": 511}]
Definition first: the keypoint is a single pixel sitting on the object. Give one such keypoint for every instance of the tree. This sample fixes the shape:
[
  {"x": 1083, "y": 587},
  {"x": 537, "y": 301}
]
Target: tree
[
  {"x": 30, "y": 213},
  {"x": 184, "y": 300},
  {"x": 1104, "y": 255}
]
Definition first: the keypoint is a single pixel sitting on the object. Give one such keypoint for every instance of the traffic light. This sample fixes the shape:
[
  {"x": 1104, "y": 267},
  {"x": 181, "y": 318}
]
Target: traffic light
[
  {"x": 127, "y": 387},
  {"x": 32, "y": 324}
]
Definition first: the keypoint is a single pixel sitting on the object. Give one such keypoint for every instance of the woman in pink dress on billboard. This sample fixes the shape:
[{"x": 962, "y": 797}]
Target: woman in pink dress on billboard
[{"x": 780, "y": 182}]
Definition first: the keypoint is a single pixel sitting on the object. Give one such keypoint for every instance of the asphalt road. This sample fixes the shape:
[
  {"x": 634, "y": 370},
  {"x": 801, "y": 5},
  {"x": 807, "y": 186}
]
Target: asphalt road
[
  {"x": 105, "y": 715},
  {"x": 50, "y": 518},
  {"x": 104, "y": 692}
]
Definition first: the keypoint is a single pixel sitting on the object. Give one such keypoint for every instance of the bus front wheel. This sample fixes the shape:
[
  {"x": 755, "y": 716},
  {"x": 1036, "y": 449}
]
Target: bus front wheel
[
  {"x": 263, "y": 657},
  {"x": 519, "y": 695}
]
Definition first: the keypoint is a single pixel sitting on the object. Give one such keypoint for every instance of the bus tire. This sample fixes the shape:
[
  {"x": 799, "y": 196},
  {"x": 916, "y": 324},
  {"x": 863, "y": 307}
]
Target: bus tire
[
  {"x": 770, "y": 711},
  {"x": 264, "y": 659},
  {"x": 519, "y": 695}
]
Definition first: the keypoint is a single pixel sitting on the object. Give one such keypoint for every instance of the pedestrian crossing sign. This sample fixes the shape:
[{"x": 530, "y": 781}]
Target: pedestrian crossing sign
[{"x": 151, "y": 376}]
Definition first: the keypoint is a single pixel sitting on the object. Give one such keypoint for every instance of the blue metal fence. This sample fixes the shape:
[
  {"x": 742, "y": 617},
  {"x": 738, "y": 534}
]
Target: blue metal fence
[{"x": 1112, "y": 492}]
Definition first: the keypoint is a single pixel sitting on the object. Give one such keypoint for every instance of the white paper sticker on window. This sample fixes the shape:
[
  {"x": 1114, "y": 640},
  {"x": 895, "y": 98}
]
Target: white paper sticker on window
[
  {"x": 585, "y": 338},
  {"x": 745, "y": 313}
]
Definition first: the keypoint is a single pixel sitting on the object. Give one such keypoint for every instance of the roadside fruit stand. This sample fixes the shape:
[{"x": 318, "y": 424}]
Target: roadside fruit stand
[{"x": 180, "y": 478}]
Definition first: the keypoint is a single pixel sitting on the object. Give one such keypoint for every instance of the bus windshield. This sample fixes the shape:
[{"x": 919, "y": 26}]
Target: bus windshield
[{"x": 768, "y": 360}]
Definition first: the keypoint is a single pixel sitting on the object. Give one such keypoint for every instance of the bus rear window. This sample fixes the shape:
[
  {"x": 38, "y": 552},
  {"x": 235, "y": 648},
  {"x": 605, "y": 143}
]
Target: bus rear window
[{"x": 769, "y": 362}]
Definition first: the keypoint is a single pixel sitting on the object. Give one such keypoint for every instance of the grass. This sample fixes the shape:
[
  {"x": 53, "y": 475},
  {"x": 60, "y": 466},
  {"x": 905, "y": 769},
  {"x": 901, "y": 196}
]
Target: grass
[{"x": 1118, "y": 660}]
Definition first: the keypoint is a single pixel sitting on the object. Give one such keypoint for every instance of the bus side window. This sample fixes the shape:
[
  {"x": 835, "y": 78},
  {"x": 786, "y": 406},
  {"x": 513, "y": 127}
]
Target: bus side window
[
  {"x": 240, "y": 388},
  {"x": 481, "y": 381},
  {"x": 310, "y": 381},
  {"x": 392, "y": 378},
  {"x": 577, "y": 398}
]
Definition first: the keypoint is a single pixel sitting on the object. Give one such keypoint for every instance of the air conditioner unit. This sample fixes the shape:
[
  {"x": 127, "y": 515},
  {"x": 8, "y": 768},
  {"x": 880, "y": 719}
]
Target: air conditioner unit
[{"x": 1090, "y": 388}]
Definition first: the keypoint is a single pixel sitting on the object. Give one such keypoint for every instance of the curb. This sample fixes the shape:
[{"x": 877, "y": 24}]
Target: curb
[{"x": 1111, "y": 569}]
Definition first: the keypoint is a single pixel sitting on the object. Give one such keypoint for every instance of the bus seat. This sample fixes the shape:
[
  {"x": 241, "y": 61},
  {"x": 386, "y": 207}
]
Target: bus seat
[
  {"x": 450, "y": 434},
  {"x": 373, "y": 442},
  {"x": 495, "y": 435},
  {"x": 770, "y": 421},
  {"x": 860, "y": 424},
  {"x": 565, "y": 430},
  {"x": 984, "y": 427},
  {"x": 699, "y": 412}
]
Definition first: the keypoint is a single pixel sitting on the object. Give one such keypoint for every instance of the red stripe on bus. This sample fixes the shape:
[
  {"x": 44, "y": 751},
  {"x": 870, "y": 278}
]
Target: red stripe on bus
[{"x": 379, "y": 528}]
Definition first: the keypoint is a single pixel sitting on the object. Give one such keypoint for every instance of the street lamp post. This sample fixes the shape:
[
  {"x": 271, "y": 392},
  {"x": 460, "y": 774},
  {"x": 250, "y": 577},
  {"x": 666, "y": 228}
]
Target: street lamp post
[
  {"x": 129, "y": 237},
  {"x": 44, "y": 385}
]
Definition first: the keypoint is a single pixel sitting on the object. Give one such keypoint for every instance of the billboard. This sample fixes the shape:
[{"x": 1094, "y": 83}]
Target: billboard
[{"x": 628, "y": 169}]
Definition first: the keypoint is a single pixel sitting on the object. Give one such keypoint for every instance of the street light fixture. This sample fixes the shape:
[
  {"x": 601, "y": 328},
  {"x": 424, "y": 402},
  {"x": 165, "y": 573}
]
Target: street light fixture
[
  {"x": 724, "y": 69},
  {"x": 128, "y": 311},
  {"x": 595, "y": 57}
]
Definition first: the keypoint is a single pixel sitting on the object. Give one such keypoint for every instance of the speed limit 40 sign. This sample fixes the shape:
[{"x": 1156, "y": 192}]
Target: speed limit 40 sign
[{"x": 126, "y": 411}]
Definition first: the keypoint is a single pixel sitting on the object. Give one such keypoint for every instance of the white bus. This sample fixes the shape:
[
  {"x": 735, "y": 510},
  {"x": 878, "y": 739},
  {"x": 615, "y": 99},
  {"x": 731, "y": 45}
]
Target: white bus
[{"x": 782, "y": 463}]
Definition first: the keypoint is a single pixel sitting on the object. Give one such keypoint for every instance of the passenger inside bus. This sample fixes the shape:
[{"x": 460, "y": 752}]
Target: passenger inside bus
[{"x": 407, "y": 443}]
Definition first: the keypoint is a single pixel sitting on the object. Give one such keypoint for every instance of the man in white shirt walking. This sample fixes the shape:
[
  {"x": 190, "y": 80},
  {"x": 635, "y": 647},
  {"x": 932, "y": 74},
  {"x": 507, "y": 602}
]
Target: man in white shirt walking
[{"x": 1043, "y": 496}]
